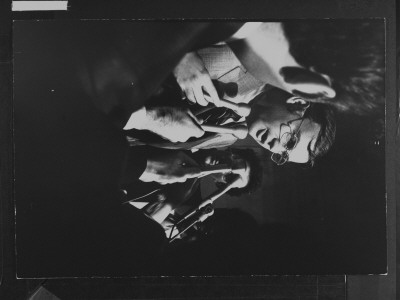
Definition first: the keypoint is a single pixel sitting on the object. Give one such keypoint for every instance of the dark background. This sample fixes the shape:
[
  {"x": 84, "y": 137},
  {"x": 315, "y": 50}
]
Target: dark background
[{"x": 347, "y": 197}]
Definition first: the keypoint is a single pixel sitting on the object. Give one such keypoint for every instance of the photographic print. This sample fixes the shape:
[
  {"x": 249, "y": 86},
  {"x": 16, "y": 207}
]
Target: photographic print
[{"x": 193, "y": 148}]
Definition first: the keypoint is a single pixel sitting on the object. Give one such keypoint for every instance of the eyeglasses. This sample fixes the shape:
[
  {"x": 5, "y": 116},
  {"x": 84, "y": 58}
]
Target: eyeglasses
[{"x": 288, "y": 139}]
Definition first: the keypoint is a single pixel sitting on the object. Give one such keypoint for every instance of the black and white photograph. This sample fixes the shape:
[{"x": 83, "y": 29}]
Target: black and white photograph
[{"x": 199, "y": 148}]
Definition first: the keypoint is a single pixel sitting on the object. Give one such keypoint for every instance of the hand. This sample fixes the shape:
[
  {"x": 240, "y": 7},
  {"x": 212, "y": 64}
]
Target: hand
[
  {"x": 175, "y": 195},
  {"x": 194, "y": 80},
  {"x": 174, "y": 166},
  {"x": 172, "y": 123}
]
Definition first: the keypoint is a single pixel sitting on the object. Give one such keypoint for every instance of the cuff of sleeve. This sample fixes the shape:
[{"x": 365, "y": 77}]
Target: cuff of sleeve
[{"x": 136, "y": 120}]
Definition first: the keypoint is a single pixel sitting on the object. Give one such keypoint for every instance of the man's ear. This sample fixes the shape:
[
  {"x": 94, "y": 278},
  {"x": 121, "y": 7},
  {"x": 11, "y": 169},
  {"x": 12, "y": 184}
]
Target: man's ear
[
  {"x": 307, "y": 82},
  {"x": 298, "y": 105},
  {"x": 298, "y": 101}
]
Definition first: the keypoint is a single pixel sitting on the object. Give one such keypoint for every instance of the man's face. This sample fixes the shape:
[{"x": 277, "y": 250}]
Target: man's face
[
  {"x": 267, "y": 120},
  {"x": 239, "y": 167}
]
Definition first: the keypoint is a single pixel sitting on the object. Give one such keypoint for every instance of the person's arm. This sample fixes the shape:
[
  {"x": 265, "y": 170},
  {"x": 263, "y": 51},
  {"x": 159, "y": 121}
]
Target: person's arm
[
  {"x": 195, "y": 81},
  {"x": 193, "y": 77},
  {"x": 171, "y": 167},
  {"x": 154, "y": 165},
  {"x": 172, "y": 123}
]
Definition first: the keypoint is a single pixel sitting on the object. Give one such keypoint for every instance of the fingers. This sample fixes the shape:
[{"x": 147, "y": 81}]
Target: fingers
[
  {"x": 194, "y": 79},
  {"x": 201, "y": 90},
  {"x": 199, "y": 95},
  {"x": 190, "y": 95},
  {"x": 208, "y": 160},
  {"x": 212, "y": 92}
]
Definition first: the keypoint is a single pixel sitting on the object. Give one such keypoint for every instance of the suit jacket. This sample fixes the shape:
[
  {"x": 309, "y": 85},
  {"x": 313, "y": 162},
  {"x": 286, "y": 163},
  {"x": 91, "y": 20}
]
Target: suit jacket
[{"x": 233, "y": 81}]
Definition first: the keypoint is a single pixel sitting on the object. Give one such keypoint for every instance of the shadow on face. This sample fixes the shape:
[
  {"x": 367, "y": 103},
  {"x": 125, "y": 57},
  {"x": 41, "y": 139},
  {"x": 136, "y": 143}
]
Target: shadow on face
[{"x": 237, "y": 162}]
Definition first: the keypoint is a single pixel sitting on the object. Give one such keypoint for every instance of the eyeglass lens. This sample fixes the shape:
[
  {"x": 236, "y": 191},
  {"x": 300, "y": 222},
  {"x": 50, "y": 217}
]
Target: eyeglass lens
[
  {"x": 280, "y": 158},
  {"x": 289, "y": 141}
]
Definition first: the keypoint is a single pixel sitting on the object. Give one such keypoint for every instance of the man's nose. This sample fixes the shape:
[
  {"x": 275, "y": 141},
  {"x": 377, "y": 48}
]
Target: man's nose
[{"x": 276, "y": 146}]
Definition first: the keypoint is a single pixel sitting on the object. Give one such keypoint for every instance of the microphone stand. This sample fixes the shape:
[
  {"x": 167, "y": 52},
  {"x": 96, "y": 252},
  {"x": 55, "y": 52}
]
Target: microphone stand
[
  {"x": 203, "y": 211},
  {"x": 202, "y": 215}
]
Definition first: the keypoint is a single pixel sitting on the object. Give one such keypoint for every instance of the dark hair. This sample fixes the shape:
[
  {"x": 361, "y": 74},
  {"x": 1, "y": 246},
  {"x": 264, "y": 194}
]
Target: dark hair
[
  {"x": 256, "y": 172},
  {"x": 350, "y": 52},
  {"x": 323, "y": 115}
]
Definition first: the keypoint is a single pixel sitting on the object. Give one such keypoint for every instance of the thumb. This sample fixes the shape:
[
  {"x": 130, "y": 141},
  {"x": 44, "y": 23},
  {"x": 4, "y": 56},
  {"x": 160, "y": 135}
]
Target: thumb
[{"x": 212, "y": 93}]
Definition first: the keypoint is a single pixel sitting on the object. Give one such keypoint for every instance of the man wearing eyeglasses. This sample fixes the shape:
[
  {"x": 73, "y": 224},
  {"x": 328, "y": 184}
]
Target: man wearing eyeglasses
[
  {"x": 288, "y": 126},
  {"x": 291, "y": 128},
  {"x": 337, "y": 63}
]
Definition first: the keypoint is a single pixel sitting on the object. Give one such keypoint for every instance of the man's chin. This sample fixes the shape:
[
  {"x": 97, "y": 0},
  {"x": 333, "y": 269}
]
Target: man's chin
[{"x": 260, "y": 143}]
